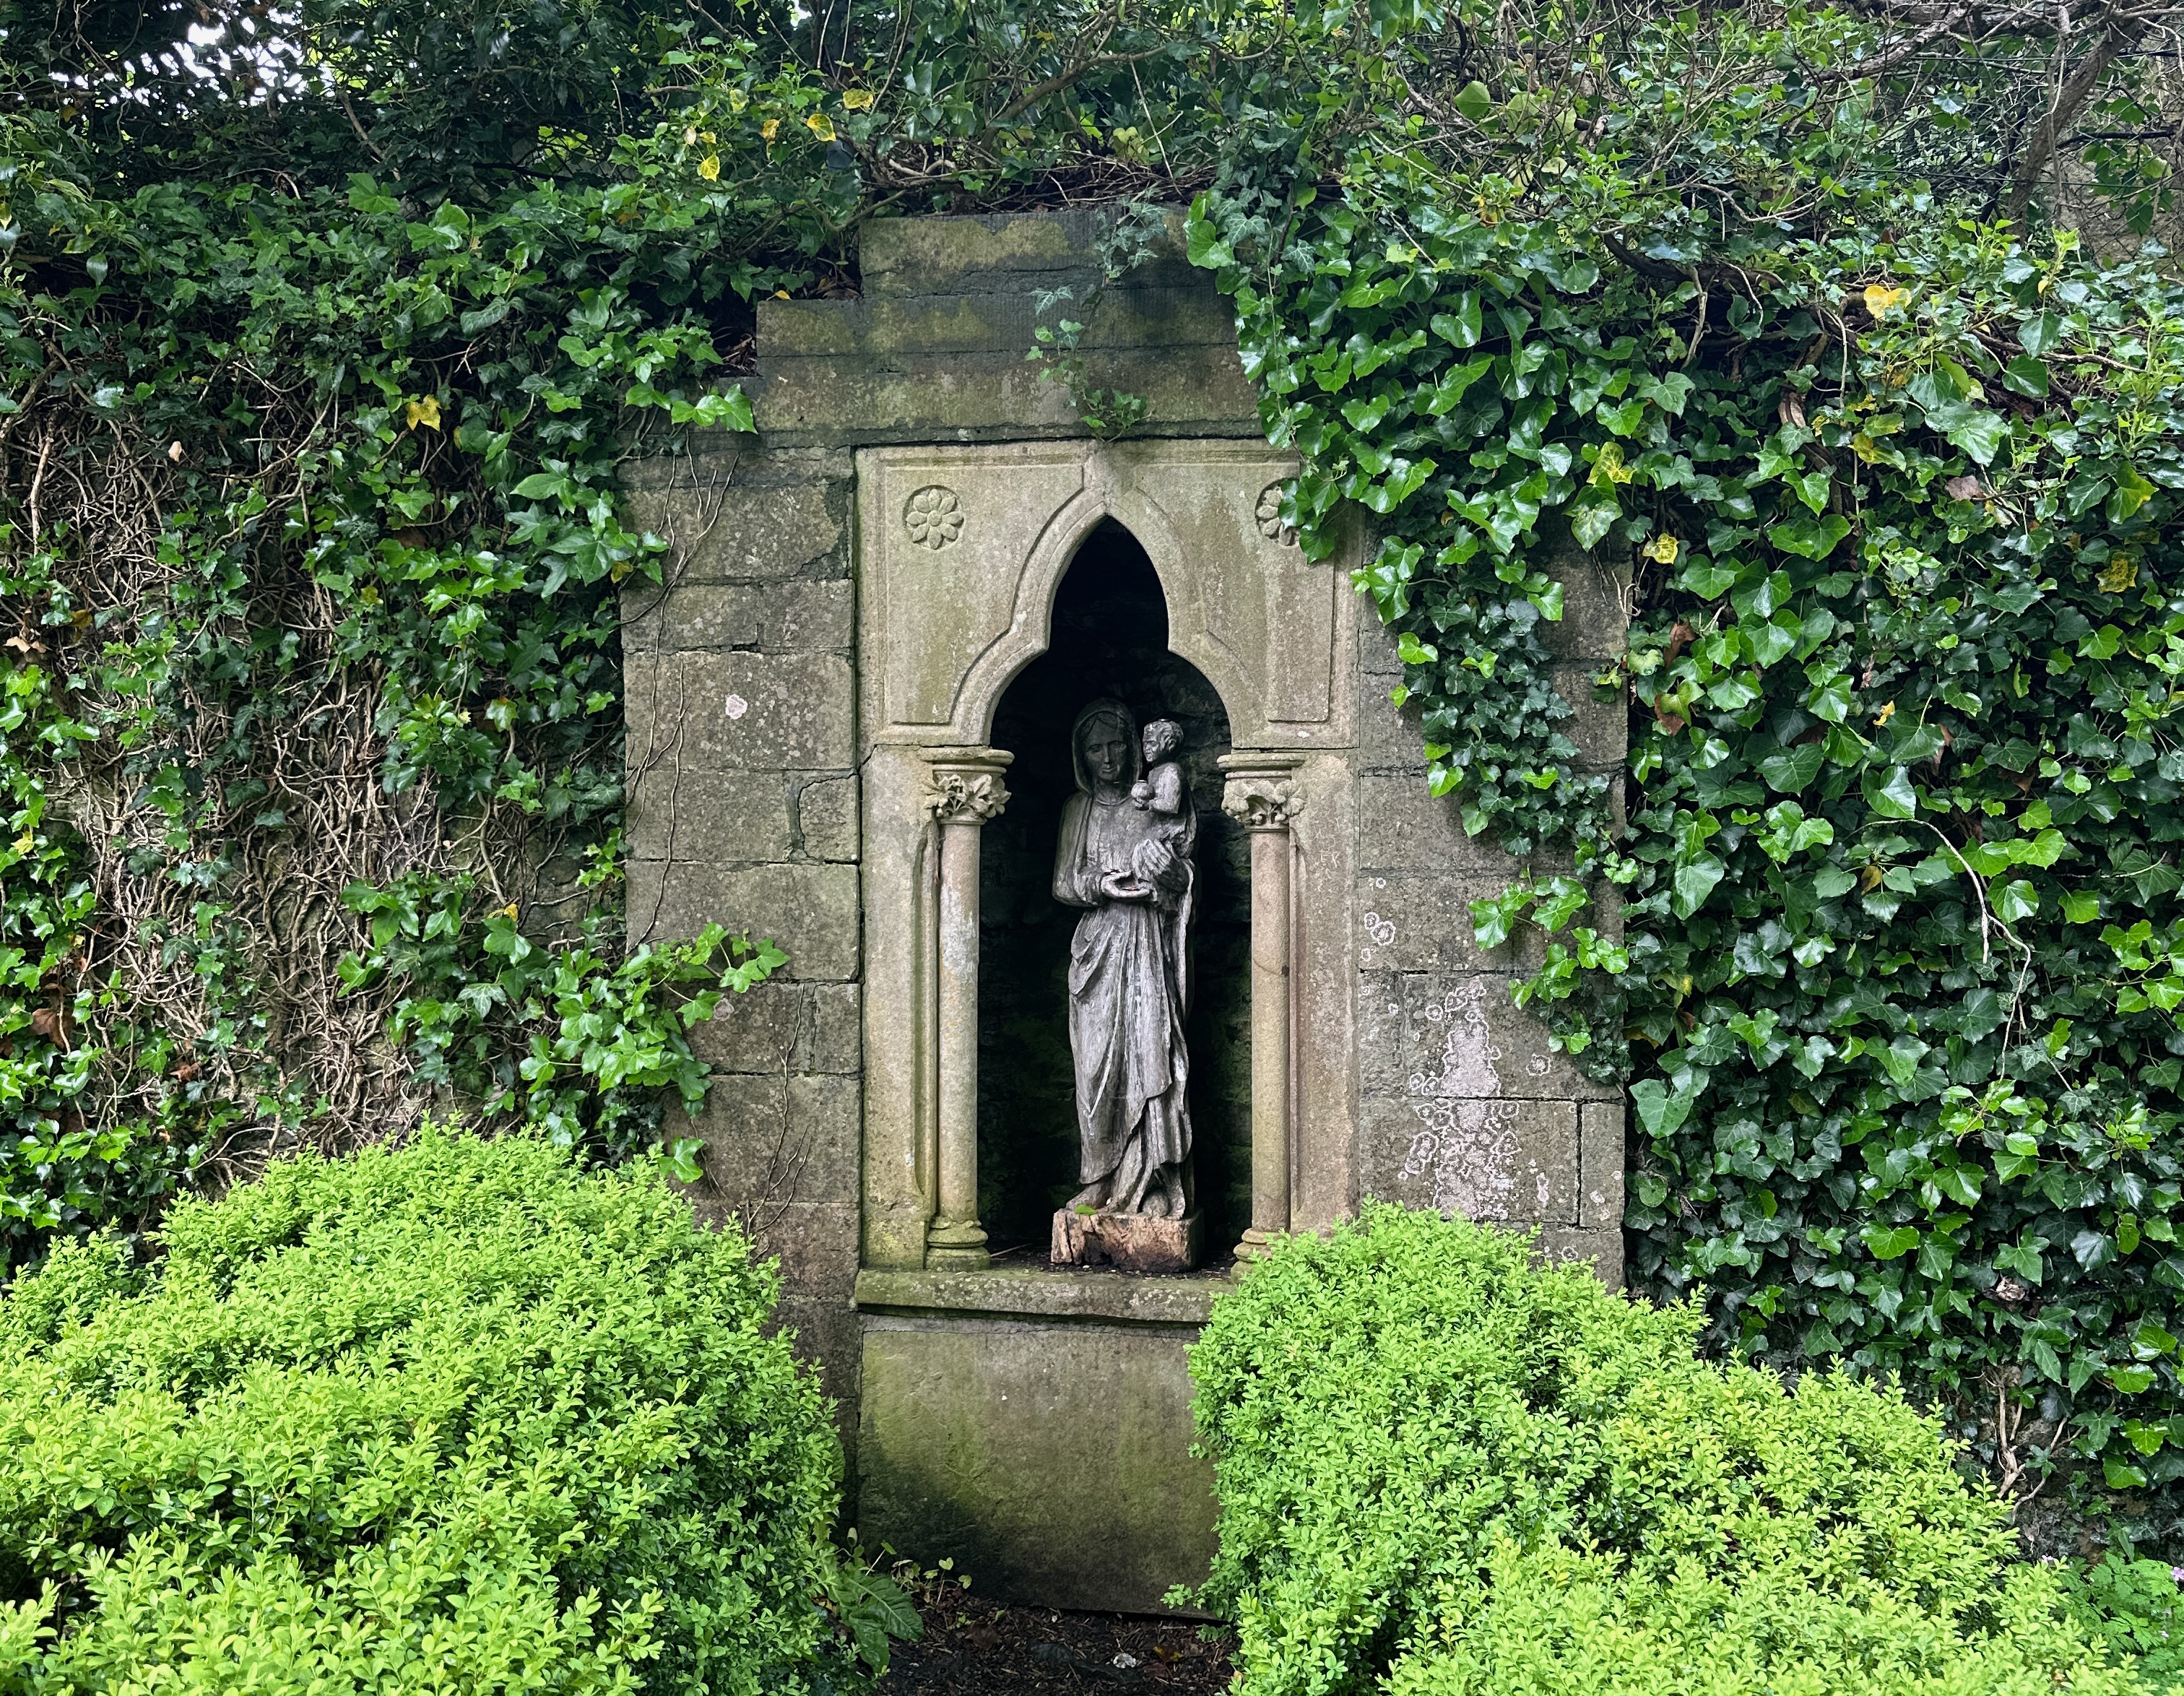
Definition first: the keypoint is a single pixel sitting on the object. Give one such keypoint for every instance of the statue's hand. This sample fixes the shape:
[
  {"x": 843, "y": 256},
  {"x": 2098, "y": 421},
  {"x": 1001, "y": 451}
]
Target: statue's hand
[{"x": 1124, "y": 887}]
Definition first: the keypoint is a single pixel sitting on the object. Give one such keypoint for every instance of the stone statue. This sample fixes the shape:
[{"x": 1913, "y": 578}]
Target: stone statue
[{"x": 1124, "y": 857}]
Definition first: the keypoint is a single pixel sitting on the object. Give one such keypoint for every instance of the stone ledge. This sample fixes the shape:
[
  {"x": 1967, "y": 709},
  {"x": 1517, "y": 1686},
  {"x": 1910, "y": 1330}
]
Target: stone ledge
[{"x": 1030, "y": 1293}]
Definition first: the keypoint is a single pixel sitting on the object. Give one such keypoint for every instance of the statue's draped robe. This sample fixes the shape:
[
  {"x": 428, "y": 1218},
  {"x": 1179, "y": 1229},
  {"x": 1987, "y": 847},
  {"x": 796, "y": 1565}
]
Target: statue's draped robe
[{"x": 1127, "y": 992}]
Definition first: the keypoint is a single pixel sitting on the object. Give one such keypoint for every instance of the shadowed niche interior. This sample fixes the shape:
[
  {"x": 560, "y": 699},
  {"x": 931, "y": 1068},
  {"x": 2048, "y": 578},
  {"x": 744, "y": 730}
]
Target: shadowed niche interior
[{"x": 1109, "y": 637}]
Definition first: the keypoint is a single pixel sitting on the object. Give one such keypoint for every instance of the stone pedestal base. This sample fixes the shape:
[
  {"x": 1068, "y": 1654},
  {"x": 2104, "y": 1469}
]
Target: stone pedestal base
[{"x": 1129, "y": 1242}]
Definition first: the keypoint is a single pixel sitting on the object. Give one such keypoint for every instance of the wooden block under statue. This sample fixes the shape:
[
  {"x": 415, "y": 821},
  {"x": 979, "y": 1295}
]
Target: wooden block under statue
[{"x": 1128, "y": 1242}]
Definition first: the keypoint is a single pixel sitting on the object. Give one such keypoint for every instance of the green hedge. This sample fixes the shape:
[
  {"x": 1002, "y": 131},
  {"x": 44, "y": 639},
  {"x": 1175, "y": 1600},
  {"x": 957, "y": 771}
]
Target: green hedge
[
  {"x": 1446, "y": 1469},
  {"x": 454, "y": 1417}
]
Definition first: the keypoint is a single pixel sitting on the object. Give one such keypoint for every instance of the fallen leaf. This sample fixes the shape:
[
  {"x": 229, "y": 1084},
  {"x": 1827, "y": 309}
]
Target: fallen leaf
[
  {"x": 1965, "y": 487},
  {"x": 175, "y": 451}
]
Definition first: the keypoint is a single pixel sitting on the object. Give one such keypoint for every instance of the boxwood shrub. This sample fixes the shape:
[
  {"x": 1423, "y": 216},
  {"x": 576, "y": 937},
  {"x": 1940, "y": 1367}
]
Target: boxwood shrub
[
  {"x": 457, "y": 1417},
  {"x": 1444, "y": 1469}
]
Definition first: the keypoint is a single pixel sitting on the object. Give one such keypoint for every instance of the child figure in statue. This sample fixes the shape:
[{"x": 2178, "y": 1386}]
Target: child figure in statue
[{"x": 1162, "y": 790}]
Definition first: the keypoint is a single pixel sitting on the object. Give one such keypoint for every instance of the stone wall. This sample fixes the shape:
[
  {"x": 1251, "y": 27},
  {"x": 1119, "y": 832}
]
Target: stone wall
[
  {"x": 743, "y": 810},
  {"x": 1463, "y": 1105}
]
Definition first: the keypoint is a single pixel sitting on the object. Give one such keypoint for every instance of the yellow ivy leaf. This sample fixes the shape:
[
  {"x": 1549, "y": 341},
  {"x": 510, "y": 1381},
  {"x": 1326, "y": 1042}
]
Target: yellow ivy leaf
[
  {"x": 2121, "y": 574},
  {"x": 857, "y": 99},
  {"x": 1609, "y": 468},
  {"x": 1870, "y": 878},
  {"x": 507, "y": 912},
  {"x": 25, "y": 842},
  {"x": 769, "y": 128},
  {"x": 709, "y": 167},
  {"x": 690, "y": 135},
  {"x": 821, "y": 126},
  {"x": 422, "y": 414},
  {"x": 1661, "y": 548},
  {"x": 1887, "y": 712},
  {"x": 1880, "y": 297}
]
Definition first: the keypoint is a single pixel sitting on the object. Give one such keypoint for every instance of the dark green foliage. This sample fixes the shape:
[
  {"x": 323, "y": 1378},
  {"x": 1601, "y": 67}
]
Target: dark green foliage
[
  {"x": 1897, "y": 491},
  {"x": 1442, "y": 1465},
  {"x": 456, "y": 1416}
]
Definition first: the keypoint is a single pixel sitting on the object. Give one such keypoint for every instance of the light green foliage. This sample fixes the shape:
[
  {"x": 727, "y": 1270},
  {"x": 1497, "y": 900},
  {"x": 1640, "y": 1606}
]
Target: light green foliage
[
  {"x": 453, "y": 1416},
  {"x": 1440, "y": 1462},
  {"x": 2131, "y": 1605}
]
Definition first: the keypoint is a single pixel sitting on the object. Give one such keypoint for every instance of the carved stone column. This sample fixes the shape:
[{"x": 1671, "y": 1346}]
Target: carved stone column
[
  {"x": 1260, "y": 797},
  {"x": 965, "y": 791}
]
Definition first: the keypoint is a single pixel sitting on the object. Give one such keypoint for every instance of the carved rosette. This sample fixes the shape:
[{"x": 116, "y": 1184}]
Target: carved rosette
[
  {"x": 933, "y": 517},
  {"x": 1261, "y": 800},
  {"x": 967, "y": 792}
]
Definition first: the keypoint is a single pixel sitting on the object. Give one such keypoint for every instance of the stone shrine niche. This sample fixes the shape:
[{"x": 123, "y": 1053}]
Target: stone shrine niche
[{"x": 1109, "y": 639}]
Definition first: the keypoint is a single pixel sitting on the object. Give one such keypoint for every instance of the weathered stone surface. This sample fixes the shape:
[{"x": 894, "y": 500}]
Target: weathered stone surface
[
  {"x": 676, "y": 812},
  {"x": 755, "y": 1031},
  {"x": 783, "y": 516},
  {"x": 1051, "y": 1462},
  {"x": 828, "y": 1334},
  {"x": 1512, "y": 1161},
  {"x": 1426, "y": 1035},
  {"x": 779, "y": 617},
  {"x": 1602, "y": 1130},
  {"x": 1127, "y": 1242},
  {"x": 1412, "y": 830},
  {"x": 1421, "y": 922},
  {"x": 833, "y": 1030},
  {"x": 1601, "y": 728},
  {"x": 817, "y": 1244},
  {"x": 826, "y": 818},
  {"x": 1010, "y": 1291},
  {"x": 1592, "y": 625},
  {"x": 775, "y": 1137},
  {"x": 810, "y": 910},
  {"x": 1600, "y": 1249},
  {"x": 743, "y": 712}
]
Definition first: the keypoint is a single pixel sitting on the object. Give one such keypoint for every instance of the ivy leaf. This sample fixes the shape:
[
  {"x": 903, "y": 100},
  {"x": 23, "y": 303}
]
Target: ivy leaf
[
  {"x": 1809, "y": 536},
  {"x": 2037, "y": 335},
  {"x": 1889, "y": 1242},
  {"x": 1660, "y": 1111},
  {"x": 1460, "y": 328},
  {"x": 1893, "y": 795},
  {"x": 2014, "y": 901},
  {"x": 2131, "y": 492},
  {"x": 1473, "y": 100},
  {"x": 1707, "y": 580},
  {"x": 1695, "y": 883},
  {"x": 1792, "y": 769}
]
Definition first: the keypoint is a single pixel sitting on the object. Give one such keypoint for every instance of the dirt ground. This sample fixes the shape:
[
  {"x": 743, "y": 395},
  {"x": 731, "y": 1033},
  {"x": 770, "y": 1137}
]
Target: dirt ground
[{"x": 974, "y": 1648}]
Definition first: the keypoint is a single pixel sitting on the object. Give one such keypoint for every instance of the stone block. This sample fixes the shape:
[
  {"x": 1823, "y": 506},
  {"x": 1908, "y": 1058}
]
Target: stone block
[
  {"x": 826, "y": 818},
  {"x": 1460, "y": 1036},
  {"x": 773, "y": 1138},
  {"x": 1601, "y": 1157},
  {"x": 1601, "y": 728},
  {"x": 1592, "y": 626},
  {"x": 817, "y": 1244},
  {"x": 1050, "y": 1461},
  {"x": 828, "y": 1334},
  {"x": 811, "y": 911},
  {"x": 778, "y": 618},
  {"x": 1406, "y": 829},
  {"x": 1128, "y": 1242},
  {"x": 779, "y": 517},
  {"x": 834, "y": 1032},
  {"x": 1601, "y": 1250},
  {"x": 677, "y": 812},
  {"x": 743, "y": 711},
  {"x": 1510, "y": 1162},
  {"x": 755, "y": 1031},
  {"x": 1421, "y": 922}
]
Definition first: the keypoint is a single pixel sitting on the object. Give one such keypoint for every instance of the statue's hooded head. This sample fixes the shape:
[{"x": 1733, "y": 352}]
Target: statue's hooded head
[{"x": 1104, "y": 744}]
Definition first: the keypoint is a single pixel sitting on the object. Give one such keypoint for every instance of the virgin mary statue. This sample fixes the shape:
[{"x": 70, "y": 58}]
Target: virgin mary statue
[{"x": 1128, "y": 866}]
